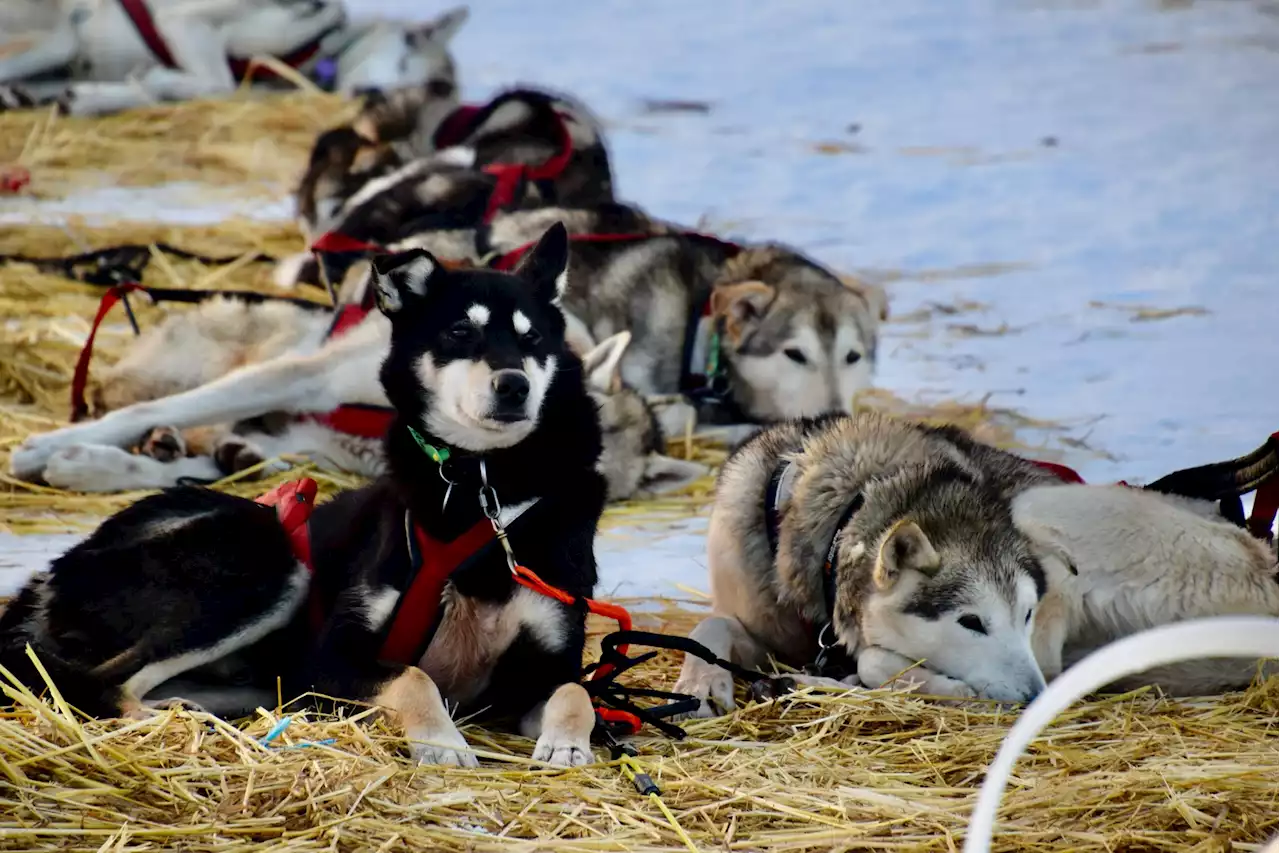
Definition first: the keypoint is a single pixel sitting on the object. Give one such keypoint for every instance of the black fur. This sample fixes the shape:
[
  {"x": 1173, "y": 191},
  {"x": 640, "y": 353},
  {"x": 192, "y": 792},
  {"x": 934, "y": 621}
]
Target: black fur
[{"x": 162, "y": 593}]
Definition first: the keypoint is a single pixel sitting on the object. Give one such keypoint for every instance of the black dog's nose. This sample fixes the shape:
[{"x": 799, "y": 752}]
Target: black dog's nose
[{"x": 511, "y": 387}]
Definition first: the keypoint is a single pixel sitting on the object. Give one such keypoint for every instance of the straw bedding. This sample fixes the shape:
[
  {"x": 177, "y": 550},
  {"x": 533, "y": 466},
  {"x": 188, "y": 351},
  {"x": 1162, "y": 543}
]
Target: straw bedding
[
  {"x": 814, "y": 771},
  {"x": 252, "y": 141},
  {"x": 817, "y": 771}
]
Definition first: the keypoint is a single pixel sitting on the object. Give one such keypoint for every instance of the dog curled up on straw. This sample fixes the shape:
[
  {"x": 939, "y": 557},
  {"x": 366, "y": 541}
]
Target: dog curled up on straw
[
  {"x": 121, "y": 56},
  {"x": 934, "y": 562},
  {"x": 495, "y": 434}
]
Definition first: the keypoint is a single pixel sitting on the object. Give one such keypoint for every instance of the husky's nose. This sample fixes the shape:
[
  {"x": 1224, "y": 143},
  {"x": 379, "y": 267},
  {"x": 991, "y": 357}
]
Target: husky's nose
[{"x": 511, "y": 388}]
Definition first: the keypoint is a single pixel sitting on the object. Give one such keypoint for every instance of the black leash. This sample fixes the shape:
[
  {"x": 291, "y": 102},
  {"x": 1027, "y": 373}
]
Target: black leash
[{"x": 606, "y": 690}]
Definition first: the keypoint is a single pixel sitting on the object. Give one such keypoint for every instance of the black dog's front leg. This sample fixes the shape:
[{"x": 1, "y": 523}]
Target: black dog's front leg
[{"x": 344, "y": 665}]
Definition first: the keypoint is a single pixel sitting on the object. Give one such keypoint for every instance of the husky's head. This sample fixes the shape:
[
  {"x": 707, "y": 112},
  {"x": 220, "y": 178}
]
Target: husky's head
[
  {"x": 933, "y": 568},
  {"x": 798, "y": 341},
  {"x": 391, "y": 55},
  {"x": 473, "y": 352},
  {"x": 633, "y": 460}
]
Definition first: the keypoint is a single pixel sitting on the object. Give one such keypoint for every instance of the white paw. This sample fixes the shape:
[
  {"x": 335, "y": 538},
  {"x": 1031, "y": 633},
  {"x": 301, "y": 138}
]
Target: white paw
[
  {"x": 448, "y": 749},
  {"x": 880, "y": 667},
  {"x": 849, "y": 683},
  {"x": 932, "y": 684},
  {"x": 92, "y": 468},
  {"x": 711, "y": 685},
  {"x": 563, "y": 750},
  {"x": 29, "y": 459}
]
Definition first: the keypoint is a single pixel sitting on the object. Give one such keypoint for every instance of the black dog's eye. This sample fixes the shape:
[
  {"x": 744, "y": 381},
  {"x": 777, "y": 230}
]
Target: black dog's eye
[
  {"x": 853, "y": 357},
  {"x": 531, "y": 338},
  {"x": 795, "y": 355},
  {"x": 1028, "y": 622},
  {"x": 973, "y": 623}
]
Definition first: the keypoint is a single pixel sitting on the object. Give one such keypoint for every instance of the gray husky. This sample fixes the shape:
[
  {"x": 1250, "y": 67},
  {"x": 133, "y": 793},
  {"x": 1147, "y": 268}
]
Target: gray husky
[{"x": 931, "y": 560}]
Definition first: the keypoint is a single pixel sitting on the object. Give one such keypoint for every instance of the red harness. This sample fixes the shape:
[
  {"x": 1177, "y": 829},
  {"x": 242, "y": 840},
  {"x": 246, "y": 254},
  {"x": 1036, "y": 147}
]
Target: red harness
[
  {"x": 462, "y": 122},
  {"x": 140, "y": 16},
  {"x": 418, "y": 611}
]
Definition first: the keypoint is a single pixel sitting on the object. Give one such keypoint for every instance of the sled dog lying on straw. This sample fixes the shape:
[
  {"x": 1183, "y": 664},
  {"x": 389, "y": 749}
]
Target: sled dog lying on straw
[
  {"x": 122, "y": 54},
  {"x": 398, "y": 593},
  {"x": 934, "y": 561},
  {"x": 220, "y": 388}
]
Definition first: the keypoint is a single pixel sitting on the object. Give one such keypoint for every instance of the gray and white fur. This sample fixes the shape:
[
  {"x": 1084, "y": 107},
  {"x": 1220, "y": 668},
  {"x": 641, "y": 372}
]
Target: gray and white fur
[{"x": 966, "y": 572}]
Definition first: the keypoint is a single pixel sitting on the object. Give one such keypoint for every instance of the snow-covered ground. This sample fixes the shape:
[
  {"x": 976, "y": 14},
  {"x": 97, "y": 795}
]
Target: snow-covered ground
[{"x": 1064, "y": 165}]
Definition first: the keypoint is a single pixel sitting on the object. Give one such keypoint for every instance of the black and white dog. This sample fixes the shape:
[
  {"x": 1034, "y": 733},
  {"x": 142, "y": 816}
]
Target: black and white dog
[{"x": 410, "y": 599}]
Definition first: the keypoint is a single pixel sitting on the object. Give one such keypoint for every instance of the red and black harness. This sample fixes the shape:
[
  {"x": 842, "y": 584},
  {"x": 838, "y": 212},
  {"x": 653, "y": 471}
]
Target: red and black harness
[
  {"x": 139, "y": 15},
  {"x": 417, "y": 614},
  {"x": 467, "y": 119}
]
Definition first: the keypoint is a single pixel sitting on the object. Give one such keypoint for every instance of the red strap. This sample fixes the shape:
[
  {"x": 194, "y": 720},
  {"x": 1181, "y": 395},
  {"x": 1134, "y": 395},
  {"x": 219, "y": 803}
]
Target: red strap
[
  {"x": 1064, "y": 473},
  {"x": 240, "y": 68},
  {"x": 1264, "y": 503},
  {"x": 336, "y": 241},
  {"x": 142, "y": 21},
  {"x": 293, "y": 502},
  {"x": 349, "y": 316},
  {"x": 362, "y": 421},
  {"x": 509, "y": 175},
  {"x": 80, "y": 378},
  {"x": 13, "y": 179},
  {"x": 421, "y": 601},
  {"x": 530, "y": 580}
]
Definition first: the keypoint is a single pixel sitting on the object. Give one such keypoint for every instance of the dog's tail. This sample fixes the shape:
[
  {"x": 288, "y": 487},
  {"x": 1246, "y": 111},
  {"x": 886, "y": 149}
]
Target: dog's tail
[{"x": 1224, "y": 480}]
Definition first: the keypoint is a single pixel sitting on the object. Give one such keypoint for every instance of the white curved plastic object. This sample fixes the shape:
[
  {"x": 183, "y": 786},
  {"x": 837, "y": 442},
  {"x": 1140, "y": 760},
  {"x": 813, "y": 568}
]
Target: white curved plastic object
[{"x": 1226, "y": 636}]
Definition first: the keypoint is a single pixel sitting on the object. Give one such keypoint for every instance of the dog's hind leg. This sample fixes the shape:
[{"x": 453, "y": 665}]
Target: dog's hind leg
[
  {"x": 99, "y": 468},
  {"x": 157, "y": 672},
  {"x": 54, "y": 50},
  {"x": 344, "y": 372},
  {"x": 726, "y": 638},
  {"x": 563, "y": 726}
]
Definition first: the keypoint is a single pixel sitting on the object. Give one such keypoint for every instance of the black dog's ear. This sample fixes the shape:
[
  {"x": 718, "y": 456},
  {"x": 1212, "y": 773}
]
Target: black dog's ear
[
  {"x": 546, "y": 265},
  {"x": 402, "y": 276}
]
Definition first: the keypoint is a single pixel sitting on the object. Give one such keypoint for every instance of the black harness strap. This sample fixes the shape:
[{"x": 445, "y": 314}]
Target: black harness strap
[
  {"x": 606, "y": 689},
  {"x": 116, "y": 264}
]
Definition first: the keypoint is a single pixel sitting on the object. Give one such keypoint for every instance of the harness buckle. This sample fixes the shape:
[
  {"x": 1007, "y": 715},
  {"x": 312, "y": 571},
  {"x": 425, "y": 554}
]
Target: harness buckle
[
  {"x": 826, "y": 642},
  {"x": 492, "y": 509}
]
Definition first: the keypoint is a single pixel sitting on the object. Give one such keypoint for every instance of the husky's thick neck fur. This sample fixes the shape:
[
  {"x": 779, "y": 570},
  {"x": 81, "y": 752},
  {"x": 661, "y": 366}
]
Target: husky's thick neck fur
[{"x": 479, "y": 368}]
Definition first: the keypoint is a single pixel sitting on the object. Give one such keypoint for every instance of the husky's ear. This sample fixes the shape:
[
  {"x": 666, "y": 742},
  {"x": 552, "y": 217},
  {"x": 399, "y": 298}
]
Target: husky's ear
[
  {"x": 439, "y": 31},
  {"x": 873, "y": 294},
  {"x": 600, "y": 365},
  {"x": 400, "y": 277},
  {"x": 741, "y": 304},
  {"x": 664, "y": 474},
  {"x": 546, "y": 265},
  {"x": 904, "y": 547}
]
